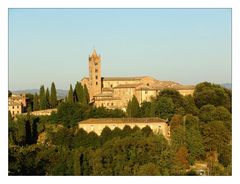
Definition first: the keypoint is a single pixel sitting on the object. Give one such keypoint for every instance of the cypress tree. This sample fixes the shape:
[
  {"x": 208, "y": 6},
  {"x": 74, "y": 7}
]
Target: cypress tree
[
  {"x": 135, "y": 109},
  {"x": 81, "y": 94},
  {"x": 86, "y": 93},
  {"x": 35, "y": 102},
  {"x": 53, "y": 96},
  {"x": 70, "y": 94},
  {"x": 75, "y": 98},
  {"x": 77, "y": 92},
  {"x": 43, "y": 101},
  {"x": 48, "y": 98},
  {"x": 129, "y": 110}
]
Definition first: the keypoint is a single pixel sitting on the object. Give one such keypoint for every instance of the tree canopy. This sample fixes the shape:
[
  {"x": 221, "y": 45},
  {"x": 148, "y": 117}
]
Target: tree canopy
[
  {"x": 207, "y": 93},
  {"x": 200, "y": 131}
]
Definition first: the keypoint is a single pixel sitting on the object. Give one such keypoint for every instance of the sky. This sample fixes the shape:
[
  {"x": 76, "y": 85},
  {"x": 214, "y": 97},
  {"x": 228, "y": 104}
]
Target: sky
[{"x": 188, "y": 46}]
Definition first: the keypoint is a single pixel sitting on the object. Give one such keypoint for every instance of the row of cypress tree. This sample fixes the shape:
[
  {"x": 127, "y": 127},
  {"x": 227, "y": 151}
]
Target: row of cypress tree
[
  {"x": 45, "y": 99},
  {"x": 79, "y": 94}
]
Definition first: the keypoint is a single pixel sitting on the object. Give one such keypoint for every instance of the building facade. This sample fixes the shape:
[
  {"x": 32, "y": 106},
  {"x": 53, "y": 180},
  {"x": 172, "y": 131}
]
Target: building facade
[
  {"x": 158, "y": 126},
  {"x": 115, "y": 92},
  {"x": 17, "y": 104}
]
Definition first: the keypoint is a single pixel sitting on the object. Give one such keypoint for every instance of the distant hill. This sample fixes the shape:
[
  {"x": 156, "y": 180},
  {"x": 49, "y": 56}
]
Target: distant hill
[
  {"x": 227, "y": 85},
  {"x": 61, "y": 93}
]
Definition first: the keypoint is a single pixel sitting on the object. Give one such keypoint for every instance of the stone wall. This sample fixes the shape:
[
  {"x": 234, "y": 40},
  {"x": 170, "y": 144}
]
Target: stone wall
[
  {"x": 158, "y": 126},
  {"x": 46, "y": 112},
  {"x": 186, "y": 92},
  {"x": 114, "y": 83},
  {"x": 109, "y": 103},
  {"x": 145, "y": 95}
]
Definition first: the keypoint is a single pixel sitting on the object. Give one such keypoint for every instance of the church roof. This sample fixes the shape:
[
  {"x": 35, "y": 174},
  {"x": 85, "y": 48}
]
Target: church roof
[
  {"x": 127, "y": 86},
  {"x": 122, "y": 78},
  {"x": 160, "y": 85},
  {"x": 103, "y": 95},
  {"x": 145, "y": 87}
]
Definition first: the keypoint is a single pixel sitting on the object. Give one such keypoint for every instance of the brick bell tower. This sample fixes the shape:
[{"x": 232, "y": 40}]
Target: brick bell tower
[{"x": 95, "y": 82}]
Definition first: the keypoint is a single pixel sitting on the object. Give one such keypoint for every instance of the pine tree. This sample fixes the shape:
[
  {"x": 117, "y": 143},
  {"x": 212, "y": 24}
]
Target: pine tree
[
  {"x": 70, "y": 94},
  {"x": 53, "y": 96},
  {"x": 48, "y": 98},
  {"x": 42, "y": 96},
  {"x": 35, "y": 102}
]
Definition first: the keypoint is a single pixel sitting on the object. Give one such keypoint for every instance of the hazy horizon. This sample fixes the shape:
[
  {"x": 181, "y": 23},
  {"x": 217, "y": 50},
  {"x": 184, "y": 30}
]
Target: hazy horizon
[{"x": 187, "y": 46}]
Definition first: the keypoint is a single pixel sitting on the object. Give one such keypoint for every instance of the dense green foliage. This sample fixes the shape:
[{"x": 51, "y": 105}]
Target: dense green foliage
[
  {"x": 207, "y": 93},
  {"x": 53, "y": 145},
  {"x": 71, "y": 152},
  {"x": 133, "y": 109},
  {"x": 163, "y": 107}
]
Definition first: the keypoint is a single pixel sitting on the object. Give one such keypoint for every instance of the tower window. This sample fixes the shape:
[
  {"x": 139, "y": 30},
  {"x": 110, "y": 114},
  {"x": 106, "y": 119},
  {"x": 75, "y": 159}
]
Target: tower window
[
  {"x": 96, "y": 83},
  {"x": 96, "y": 70},
  {"x": 96, "y": 77}
]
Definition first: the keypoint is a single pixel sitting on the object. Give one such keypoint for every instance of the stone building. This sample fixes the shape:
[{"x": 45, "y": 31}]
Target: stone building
[
  {"x": 115, "y": 92},
  {"x": 158, "y": 126},
  {"x": 17, "y": 104}
]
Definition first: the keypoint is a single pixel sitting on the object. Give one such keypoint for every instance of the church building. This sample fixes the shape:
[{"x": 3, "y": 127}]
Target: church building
[{"x": 115, "y": 92}]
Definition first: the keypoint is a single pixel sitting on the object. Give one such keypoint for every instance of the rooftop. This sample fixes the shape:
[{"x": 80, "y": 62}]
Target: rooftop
[
  {"x": 122, "y": 78},
  {"x": 103, "y": 95},
  {"x": 127, "y": 86}
]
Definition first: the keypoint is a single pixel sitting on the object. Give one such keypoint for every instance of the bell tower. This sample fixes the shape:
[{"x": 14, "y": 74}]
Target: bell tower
[{"x": 95, "y": 81}]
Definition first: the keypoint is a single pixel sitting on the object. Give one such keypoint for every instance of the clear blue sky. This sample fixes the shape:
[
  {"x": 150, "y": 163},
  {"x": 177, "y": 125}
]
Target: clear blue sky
[{"x": 183, "y": 45}]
